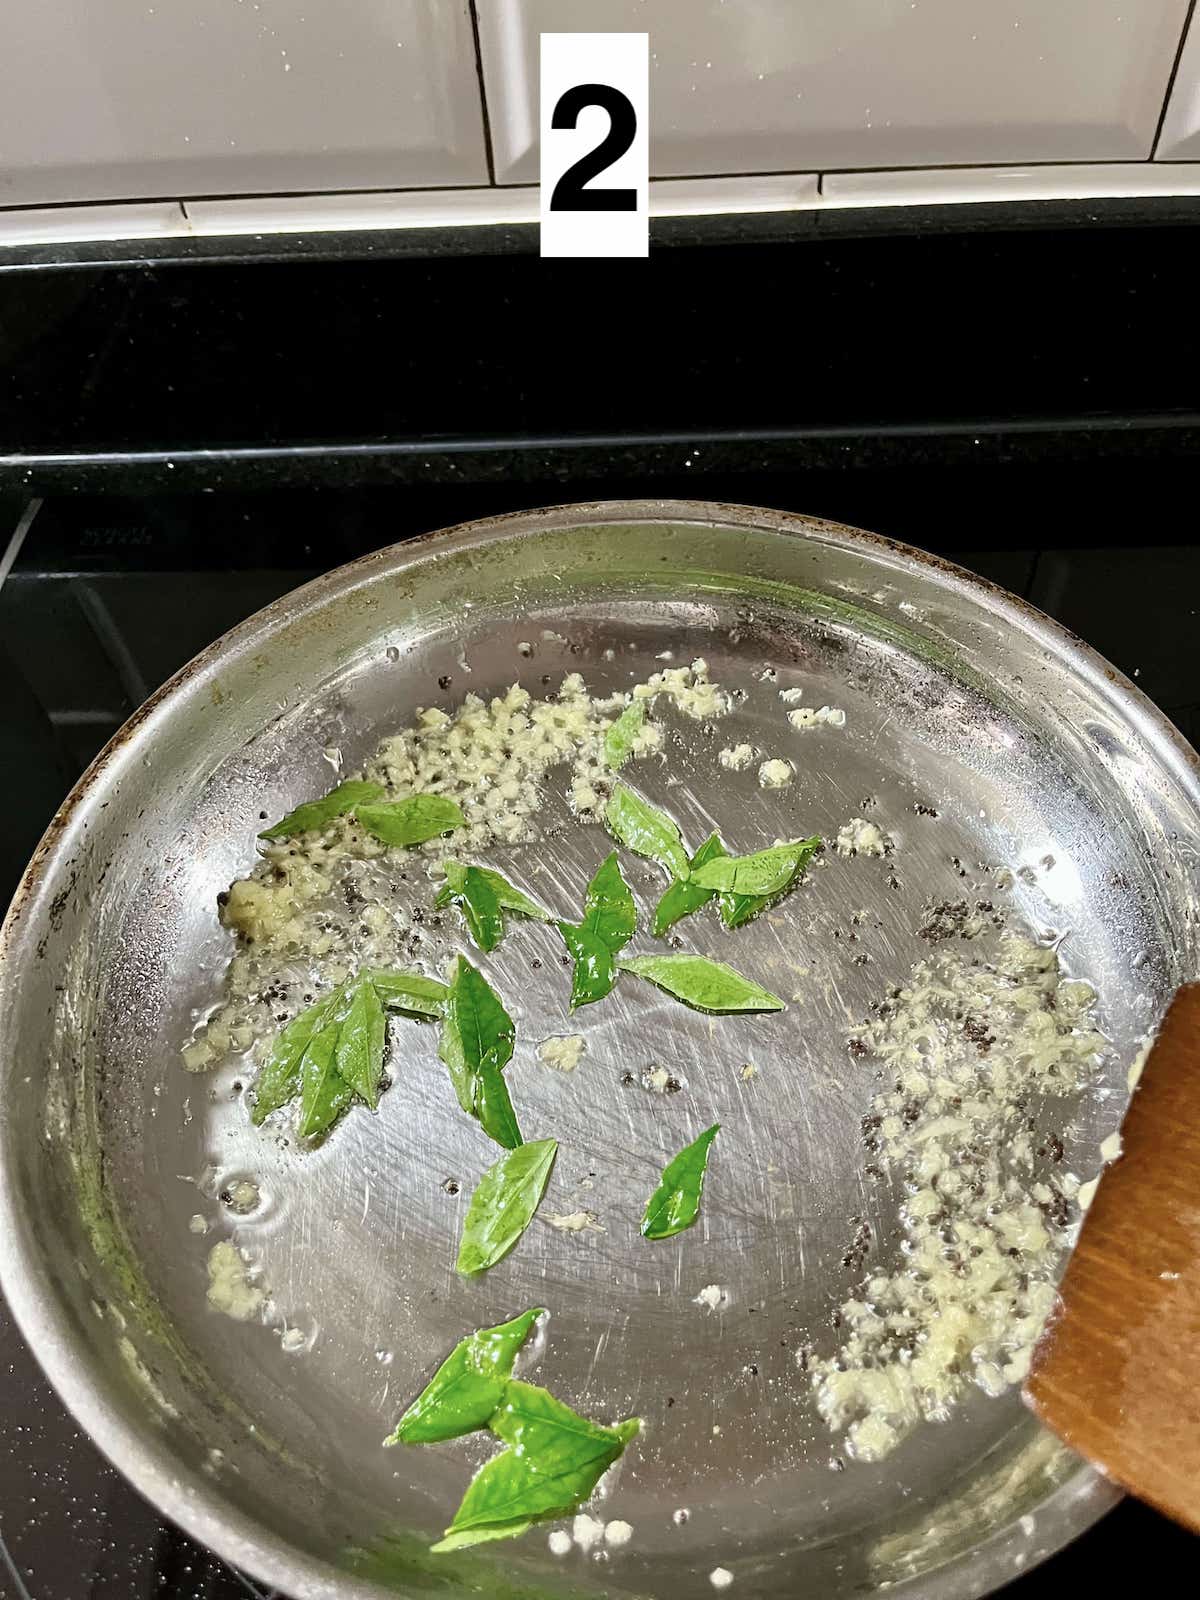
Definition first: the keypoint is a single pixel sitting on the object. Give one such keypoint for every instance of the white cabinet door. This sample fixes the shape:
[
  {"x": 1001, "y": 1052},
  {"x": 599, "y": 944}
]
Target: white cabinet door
[
  {"x": 134, "y": 99},
  {"x": 1180, "y": 138},
  {"x": 815, "y": 85}
]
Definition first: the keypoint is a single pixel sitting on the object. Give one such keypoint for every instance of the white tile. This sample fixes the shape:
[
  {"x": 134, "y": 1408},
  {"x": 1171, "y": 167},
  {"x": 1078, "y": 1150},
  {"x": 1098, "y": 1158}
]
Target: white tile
[
  {"x": 139, "y": 99},
  {"x": 803, "y": 85},
  {"x": 1180, "y": 137},
  {"x": 324, "y": 213},
  {"x": 77, "y": 224},
  {"x": 964, "y": 185},
  {"x": 669, "y": 197},
  {"x": 337, "y": 213},
  {"x": 705, "y": 197}
]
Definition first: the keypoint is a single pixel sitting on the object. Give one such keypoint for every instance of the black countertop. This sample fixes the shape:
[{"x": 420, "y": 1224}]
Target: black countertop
[{"x": 771, "y": 354}]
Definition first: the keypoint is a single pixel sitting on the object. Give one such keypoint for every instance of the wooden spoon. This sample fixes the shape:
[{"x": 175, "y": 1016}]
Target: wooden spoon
[{"x": 1117, "y": 1372}]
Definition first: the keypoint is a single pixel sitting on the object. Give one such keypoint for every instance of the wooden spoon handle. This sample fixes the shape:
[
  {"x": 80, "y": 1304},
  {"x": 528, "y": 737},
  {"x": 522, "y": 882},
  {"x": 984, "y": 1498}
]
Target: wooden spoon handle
[{"x": 1117, "y": 1372}]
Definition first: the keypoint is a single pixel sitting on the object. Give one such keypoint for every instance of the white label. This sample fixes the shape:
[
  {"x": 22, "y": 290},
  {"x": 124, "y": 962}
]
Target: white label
[{"x": 595, "y": 144}]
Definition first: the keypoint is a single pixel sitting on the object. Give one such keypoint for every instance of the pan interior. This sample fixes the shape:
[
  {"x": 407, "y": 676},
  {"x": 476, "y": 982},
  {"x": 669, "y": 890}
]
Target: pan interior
[{"x": 1047, "y": 798}]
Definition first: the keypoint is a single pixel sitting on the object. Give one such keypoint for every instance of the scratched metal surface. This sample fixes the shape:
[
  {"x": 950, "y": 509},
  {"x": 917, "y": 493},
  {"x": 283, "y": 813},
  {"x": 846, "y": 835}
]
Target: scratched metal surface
[{"x": 957, "y": 700}]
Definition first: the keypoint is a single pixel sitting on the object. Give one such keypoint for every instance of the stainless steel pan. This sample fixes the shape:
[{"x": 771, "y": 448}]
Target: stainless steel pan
[{"x": 957, "y": 697}]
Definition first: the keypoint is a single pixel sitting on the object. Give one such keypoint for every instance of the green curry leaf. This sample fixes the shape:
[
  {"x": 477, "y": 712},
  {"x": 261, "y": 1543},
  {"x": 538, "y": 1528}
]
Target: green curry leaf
[
  {"x": 675, "y": 1204},
  {"x": 686, "y": 895},
  {"x": 335, "y": 1049},
  {"x": 483, "y": 895},
  {"x": 503, "y": 1205},
  {"x": 554, "y": 1460},
  {"x": 316, "y": 813},
  {"x": 621, "y": 736},
  {"x": 477, "y": 901},
  {"x": 358, "y": 1059},
  {"x": 324, "y": 1094},
  {"x": 279, "y": 1079},
  {"x": 468, "y": 1386},
  {"x": 494, "y": 1107},
  {"x": 766, "y": 872},
  {"x": 594, "y": 972},
  {"x": 609, "y": 922},
  {"x": 608, "y": 908},
  {"x": 411, "y": 992},
  {"x": 737, "y": 909},
  {"x": 646, "y": 830},
  {"x": 411, "y": 821},
  {"x": 476, "y": 1045},
  {"x": 702, "y": 984},
  {"x": 509, "y": 897}
]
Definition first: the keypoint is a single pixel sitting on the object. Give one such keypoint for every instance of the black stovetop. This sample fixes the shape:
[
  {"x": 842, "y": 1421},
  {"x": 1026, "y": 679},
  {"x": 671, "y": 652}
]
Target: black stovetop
[
  {"x": 107, "y": 596},
  {"x": 179, "y": 444}
]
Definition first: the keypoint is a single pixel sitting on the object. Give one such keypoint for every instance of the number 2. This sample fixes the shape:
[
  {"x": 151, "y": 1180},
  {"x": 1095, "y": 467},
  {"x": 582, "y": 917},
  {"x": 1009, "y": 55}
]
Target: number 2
[{"x": 569, "y": 192}]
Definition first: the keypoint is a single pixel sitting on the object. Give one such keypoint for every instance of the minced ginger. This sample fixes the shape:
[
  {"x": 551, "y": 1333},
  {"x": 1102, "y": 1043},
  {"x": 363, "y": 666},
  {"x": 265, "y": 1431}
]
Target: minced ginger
[{"x": 969, "y": 1049}]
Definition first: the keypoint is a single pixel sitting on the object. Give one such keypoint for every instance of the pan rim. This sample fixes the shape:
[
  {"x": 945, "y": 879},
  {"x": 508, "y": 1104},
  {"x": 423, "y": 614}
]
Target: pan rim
[{"x": 136, "y": 1451}]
